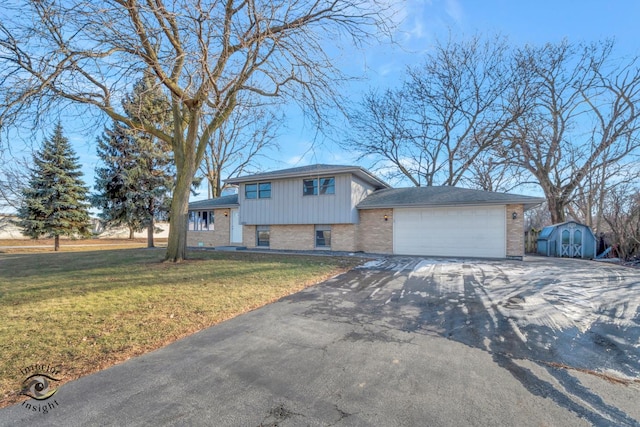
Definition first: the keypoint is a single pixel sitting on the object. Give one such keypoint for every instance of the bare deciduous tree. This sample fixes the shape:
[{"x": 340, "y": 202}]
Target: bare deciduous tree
[
  {"x": 493, "y": 170},
  {"x": 450, "y": 111},
  {"x": 580, "y": 116},
  {"x": 588, "y": 202},
  {"x": 236, "y": 145},
  {"x": 204, "y": 54},
  {"x": 382, "y": 132},
  {"x": 14, "y": 175},
  {"x": 622, "y": 215}
]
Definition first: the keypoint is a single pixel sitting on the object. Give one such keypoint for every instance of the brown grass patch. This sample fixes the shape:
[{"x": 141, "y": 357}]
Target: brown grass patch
[{"x": 84, "y": 311}]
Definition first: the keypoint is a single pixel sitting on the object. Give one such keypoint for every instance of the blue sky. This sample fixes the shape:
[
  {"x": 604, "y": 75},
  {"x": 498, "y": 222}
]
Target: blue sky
[
  {"x": 424, "y": 21},
  {"x": 521, "y": 21}
]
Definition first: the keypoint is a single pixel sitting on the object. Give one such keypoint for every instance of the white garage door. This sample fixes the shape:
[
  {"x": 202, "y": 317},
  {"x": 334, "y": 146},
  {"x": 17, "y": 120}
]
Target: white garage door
[{"x": 469, "y": 231}]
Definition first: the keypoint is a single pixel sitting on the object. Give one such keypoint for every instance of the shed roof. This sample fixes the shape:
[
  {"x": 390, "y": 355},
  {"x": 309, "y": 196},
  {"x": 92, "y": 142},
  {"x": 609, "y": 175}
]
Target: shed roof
[
  {"x": 312, "y": 171},
  {"x": 230, "y": 201},
  {"x": 549, "y": 229},
  {"x": 442, "y": 196}
]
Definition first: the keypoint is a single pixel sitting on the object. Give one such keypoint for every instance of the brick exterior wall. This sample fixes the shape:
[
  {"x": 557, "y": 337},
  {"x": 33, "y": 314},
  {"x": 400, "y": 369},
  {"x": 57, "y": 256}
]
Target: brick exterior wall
[
  {"x": 302, "y": 237},
  {"x": 374, "y": 234},
  {"x": 343, "y": 237},
  {"x": 218, "y": 237},
  {"x": 249, "y": 236},
  {"x": 515, "y": 231},
  {"x": 294, "y": 237}
]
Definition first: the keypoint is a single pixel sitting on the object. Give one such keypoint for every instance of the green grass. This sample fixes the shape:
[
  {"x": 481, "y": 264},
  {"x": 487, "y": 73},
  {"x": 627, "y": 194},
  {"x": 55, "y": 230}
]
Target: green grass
[{"x": 85, "y": 311}]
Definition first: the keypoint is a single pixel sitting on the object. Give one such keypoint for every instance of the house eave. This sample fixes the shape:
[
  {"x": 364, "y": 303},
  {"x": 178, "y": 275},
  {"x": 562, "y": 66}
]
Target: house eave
[
  {"x": 527, "y": 205},
  {"x": 355, "y": 170},
  {"x": 224, "y": 202},
  {"x": 211, "y": 208}
]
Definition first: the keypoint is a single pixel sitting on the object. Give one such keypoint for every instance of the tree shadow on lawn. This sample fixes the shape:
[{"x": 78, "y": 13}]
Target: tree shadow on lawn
[
  {"x": 57, "y": 275},
  {"x": 44, "y": 263}
]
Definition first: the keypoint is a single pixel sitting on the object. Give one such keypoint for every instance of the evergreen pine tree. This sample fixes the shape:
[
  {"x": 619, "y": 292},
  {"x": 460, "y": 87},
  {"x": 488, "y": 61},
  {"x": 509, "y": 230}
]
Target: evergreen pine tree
[
  {"x": 115, "y": 194},
  {"x": 54, "y": 203},
  {"x": 133, "y": 188}
]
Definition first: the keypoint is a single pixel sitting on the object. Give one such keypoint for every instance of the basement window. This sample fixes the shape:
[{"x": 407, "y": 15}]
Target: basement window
[
  {"x": 323, "y": 236},
  {"x": 262, "y": 235}
]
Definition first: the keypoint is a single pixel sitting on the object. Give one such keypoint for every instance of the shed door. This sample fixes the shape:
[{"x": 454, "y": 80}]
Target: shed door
[
  {"x": 571, "y": 242},
  {"x": 457, "y": 231}
]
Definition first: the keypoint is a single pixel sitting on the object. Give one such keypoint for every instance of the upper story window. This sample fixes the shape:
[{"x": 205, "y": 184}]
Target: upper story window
[
  {"x": 313, "y": 187},
  {"x": 257, "y": 191},
  {"x": 309, "y": 187},
  {"x": 264, "y": 190}
]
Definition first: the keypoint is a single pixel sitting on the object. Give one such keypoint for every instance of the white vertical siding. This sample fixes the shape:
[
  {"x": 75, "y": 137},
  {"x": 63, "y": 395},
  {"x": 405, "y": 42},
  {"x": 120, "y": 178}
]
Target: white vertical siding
[
  {"x": 287, "y": 205},
  {"x": 359, "y": 191}
]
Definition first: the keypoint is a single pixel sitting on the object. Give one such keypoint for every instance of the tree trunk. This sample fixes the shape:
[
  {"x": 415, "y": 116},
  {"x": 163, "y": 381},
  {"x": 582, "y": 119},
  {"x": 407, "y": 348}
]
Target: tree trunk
[
  {"x": 218, "y": 187},
  {"x": 187, "y": 157},
  {"x": 150, "y": 230},
  {"x": 131, "y": 233},
  {"x": 177, "y": 244},
  {"x": 556, "y": 209},
  {"x": 213, "y": 177},
  {"x": 555, "y": 203},
  {"x": 56, "y": 243},
  {"x": 152, "y": 224}
]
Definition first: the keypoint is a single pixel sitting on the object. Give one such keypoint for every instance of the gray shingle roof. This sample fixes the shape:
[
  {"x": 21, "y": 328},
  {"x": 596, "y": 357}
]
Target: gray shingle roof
[
  {"x": 217, "y": 203},
  {"x": 441, "y": 196},
  {"x": 310, "y": 171}
]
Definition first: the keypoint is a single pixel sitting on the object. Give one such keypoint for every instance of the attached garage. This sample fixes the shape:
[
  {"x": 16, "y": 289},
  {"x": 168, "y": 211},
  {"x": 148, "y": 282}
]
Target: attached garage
[
  {"x": 444, "y": 221},
  {"x": 476, "y": 231}
]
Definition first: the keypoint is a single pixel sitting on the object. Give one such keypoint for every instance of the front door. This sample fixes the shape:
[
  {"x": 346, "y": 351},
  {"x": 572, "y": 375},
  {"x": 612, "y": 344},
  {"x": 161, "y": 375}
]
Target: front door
[
  {"x": 571, "y": 242},
  {"x": 236, "y": 227}
]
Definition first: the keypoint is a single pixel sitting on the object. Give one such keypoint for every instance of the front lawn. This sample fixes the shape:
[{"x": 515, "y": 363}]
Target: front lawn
[{"x": 84, "y": 311}]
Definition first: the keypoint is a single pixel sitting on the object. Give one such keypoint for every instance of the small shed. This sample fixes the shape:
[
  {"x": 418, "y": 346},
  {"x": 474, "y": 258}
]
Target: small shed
[{"x": 567, "y": 239}]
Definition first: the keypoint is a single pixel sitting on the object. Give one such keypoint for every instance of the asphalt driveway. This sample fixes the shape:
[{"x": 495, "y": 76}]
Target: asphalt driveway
[{"x": 398, "y": 341}]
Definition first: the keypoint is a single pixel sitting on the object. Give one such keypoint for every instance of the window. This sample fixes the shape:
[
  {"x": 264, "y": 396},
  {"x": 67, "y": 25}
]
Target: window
[
  {"x": 309, "y": 187},
  {"x": 313, "y": 187},
  {"x": 323, "y": 236},
  {"x": 328, "y": 185},
  {"x": 264, "y": 190},
  {"x": 251, "y": 191},
  {"x": 255, "y": 191},
  {"x": 201, "y": 221},
  {"x": 262, "y": 235}
]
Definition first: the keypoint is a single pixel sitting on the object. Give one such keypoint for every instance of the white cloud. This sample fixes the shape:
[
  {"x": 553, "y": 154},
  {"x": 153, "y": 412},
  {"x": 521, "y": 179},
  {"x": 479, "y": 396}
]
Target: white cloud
[
  {"x": 454, "y": 10},
  {"x": 417, "y": 28}
]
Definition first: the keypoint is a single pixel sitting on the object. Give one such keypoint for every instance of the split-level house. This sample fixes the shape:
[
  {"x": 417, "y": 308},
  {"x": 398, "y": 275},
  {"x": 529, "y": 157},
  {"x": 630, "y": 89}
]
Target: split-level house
[{"x": 347, "y": 208}]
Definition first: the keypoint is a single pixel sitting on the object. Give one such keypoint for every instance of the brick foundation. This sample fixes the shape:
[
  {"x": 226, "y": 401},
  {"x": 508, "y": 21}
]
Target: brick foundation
[
  {"x": 294, "y": 237},
  {"x": 343, "y": 237}
]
